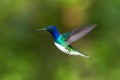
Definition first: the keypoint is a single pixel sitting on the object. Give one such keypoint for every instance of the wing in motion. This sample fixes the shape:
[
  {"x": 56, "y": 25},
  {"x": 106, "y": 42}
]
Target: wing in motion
[{"x": 73, "y": 36}]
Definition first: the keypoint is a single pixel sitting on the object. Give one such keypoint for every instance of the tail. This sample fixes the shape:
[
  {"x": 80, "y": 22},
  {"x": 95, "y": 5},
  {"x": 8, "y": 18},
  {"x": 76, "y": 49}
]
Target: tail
[
  {"x": 79, "y": 53},
  {"x": 84, "y": 55}
]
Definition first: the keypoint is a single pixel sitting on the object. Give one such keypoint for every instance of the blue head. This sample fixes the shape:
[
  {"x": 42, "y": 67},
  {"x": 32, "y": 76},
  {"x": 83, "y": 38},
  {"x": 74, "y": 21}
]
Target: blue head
[{"x": 53, "y": 31}]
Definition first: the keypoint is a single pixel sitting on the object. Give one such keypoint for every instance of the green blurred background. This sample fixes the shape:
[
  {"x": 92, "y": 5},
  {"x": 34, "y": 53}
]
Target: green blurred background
[{"x": 29, "y": 55}]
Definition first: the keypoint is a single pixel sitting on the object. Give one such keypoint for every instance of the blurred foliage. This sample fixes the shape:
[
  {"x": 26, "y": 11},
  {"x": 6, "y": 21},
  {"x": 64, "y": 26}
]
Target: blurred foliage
[{"x": 28, "y": 55}]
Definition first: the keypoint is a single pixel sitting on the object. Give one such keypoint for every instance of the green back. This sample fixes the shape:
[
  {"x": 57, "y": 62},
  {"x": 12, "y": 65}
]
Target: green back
[
  {"x": 61, "y": 40},
  {"x": 66, "y": 35}
]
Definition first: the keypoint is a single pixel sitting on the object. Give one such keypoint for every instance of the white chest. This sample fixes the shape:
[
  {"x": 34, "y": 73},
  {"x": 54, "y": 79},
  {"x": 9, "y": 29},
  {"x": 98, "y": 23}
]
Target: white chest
[
  {"x": 61, "y": 48},
  {"x": 64, "y": 50}
]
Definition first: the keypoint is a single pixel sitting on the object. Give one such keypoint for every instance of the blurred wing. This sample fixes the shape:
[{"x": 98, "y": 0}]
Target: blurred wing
[{"x": 78, "y": 33}]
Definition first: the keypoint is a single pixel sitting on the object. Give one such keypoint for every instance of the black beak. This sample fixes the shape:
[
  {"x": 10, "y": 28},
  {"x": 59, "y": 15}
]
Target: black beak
[{"x": 41, "y": 30}]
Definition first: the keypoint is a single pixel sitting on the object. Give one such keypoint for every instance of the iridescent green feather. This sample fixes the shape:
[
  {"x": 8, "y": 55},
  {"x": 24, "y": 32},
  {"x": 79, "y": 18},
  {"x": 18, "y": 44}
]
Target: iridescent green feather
[
  {"x": 61, "y": 40},
  {"x": 66, "y": 35}
]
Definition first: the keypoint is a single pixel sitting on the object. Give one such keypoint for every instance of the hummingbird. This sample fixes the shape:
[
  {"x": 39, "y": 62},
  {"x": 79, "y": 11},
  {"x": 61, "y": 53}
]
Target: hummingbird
[{"x": 63, "y": 41}]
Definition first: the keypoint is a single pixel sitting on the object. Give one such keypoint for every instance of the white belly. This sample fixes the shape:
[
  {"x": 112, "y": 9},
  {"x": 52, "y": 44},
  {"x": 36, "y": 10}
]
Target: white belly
[
  {"x": 61, "y": 48},
  {"x": 64, "y": 50}
]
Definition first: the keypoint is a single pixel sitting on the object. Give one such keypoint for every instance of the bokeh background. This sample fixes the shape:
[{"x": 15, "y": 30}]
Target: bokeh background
[{"x": 29, "y": 55}]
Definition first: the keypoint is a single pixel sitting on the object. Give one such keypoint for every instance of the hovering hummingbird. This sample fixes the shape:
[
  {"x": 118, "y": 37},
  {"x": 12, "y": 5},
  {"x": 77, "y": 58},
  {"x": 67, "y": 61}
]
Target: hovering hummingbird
[{"x": 63, "y": 41}]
